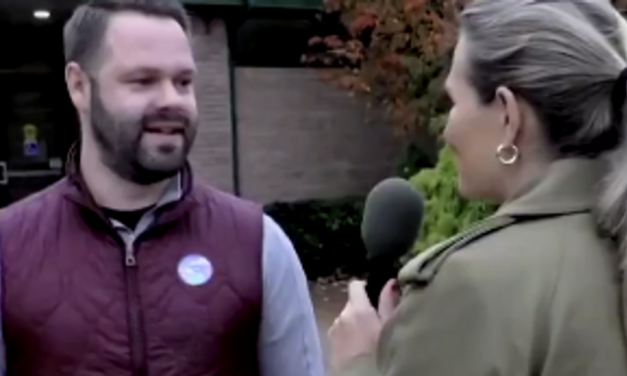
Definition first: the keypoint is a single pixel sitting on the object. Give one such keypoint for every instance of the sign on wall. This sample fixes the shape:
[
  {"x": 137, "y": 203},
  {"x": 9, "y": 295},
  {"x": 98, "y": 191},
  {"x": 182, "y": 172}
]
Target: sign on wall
[{"x": 30, "y": 142}]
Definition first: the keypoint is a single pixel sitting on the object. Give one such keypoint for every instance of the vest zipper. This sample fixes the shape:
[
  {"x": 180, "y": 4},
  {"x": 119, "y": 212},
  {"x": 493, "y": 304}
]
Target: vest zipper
[
  {"x": 133, "y": 307},
  {"x": 129, "y": 254}
]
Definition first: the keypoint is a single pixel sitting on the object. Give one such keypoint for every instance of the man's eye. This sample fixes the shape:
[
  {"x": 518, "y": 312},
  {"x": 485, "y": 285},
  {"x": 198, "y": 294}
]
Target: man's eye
[
  {"x": 184, "y": 82},
  {"x": 143, "y": 81}
]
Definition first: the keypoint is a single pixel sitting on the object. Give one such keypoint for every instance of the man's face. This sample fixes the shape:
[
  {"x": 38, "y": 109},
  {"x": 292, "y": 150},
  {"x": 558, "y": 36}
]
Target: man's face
[{"x": 143, "y": 107}]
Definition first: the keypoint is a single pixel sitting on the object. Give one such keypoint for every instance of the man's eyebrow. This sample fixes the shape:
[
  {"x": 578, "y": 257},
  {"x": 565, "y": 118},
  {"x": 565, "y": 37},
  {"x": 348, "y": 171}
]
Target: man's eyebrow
[{"x": 157, "y": 71}]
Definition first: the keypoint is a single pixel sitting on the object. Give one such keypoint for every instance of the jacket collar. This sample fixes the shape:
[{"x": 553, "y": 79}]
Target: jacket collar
[
  {"x": 569, "y": 186},
  {"x": 176, "y": 198}
]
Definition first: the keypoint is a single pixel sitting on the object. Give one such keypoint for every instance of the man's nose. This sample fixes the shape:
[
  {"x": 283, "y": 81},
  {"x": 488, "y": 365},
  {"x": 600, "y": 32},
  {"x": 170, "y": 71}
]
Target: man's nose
[{"x": 170, "y": 95}]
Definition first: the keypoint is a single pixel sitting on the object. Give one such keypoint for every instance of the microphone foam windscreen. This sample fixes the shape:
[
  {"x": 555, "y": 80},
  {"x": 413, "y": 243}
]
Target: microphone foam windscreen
[{"x": 392, "y": 218}]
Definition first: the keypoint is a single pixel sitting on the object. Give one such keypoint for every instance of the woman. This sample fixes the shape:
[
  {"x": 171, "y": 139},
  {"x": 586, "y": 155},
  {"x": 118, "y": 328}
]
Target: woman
[{"x": 538, "y": 90}]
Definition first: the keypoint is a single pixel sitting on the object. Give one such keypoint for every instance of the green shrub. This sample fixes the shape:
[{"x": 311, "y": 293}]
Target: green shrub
[
  {"x": 447, "y": 213},
  {"x": 325, "y": 233},
  {"x": 419, "y": 154}
]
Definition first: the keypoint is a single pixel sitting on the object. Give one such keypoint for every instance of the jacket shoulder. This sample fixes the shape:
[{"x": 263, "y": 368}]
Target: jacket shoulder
[
  {"x": 243, "y": 216},
  {"x": 540, "y": 244},
  {"x": 33, "y": 206},
  {"x": 533, "y": 265},
  {"x": 216, "y": 198}
]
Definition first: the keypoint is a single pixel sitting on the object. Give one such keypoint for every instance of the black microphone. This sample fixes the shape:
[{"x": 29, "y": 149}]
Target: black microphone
[{"x": 390, "y": 226}]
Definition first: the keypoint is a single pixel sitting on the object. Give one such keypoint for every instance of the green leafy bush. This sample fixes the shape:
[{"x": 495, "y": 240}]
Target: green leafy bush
[
  {"x": 326, "y": 235},
  {"x": 447, "y": 213}
]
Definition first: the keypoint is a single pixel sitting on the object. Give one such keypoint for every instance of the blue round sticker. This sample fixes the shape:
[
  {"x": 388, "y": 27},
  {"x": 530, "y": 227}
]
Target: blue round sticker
[{"x": 195, "y": 270}]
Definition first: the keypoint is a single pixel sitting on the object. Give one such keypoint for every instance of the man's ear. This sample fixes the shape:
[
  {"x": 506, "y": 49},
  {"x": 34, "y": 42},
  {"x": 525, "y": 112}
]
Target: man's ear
[
  {"x": 512, "y": 115},
  {"x": 78, "y": 86}
]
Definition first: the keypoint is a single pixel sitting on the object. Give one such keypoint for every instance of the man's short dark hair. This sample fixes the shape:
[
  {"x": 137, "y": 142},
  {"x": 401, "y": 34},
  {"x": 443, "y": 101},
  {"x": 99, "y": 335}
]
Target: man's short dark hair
[{"x": 84, "y": 32}]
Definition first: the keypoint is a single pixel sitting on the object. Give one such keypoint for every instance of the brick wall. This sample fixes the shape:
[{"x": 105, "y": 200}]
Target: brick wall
[
  {"x": 299, "y": 138},
  {"x": 211, "y": 156}
]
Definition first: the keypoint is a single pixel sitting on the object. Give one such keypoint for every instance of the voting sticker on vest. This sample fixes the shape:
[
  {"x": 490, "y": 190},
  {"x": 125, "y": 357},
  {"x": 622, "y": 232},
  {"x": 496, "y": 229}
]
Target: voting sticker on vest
[{"x": 195, "y": 270}]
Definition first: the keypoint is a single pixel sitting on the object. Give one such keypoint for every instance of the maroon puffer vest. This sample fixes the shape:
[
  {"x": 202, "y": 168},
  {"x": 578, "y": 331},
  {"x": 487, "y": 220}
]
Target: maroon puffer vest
[{"x": 71, "y": 307}]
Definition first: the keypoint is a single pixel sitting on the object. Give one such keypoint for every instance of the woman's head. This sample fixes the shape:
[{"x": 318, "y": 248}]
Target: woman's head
[{"x": 531, "y": 82}]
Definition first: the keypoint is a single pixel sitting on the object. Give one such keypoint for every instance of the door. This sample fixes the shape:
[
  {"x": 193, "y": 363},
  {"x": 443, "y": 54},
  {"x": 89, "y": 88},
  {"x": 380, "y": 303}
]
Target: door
[{"x": 35, "y": 132}]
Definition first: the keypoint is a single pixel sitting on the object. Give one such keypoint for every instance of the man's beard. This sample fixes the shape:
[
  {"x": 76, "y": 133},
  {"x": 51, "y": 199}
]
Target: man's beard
[{"x": 121, "y": 148}]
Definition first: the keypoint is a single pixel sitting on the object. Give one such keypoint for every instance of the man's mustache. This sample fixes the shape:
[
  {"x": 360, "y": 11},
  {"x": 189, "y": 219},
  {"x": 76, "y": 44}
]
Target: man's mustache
[{"x": 175, "y": 117}]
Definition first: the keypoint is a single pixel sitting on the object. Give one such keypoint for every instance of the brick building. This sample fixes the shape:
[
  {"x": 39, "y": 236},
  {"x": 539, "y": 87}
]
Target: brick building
[{"x": 270, "y": 129}]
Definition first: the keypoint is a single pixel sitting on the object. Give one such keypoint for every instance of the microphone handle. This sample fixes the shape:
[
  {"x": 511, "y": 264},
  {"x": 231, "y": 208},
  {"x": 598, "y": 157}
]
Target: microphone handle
[{"x": 380, "y": 271}]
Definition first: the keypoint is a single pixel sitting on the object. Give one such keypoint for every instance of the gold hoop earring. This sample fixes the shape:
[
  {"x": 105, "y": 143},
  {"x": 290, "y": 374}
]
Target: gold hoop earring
[{"x": 503, "y": 151}]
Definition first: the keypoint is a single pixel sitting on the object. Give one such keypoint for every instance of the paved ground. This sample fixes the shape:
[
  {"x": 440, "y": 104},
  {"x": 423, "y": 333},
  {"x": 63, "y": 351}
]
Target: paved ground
[{"x": 328, "y": 300}]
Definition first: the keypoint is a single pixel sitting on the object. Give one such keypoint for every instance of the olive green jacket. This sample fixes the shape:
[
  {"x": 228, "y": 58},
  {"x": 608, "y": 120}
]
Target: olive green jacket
[{"x": 533, "y": 290}]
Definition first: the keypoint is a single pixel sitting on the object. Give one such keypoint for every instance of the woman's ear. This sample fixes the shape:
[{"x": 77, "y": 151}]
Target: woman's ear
[{"x": 512, "y": 115}]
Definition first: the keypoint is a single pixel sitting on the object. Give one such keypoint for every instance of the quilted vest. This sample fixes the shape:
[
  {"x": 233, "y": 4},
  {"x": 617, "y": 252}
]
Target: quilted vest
[{"x": 72, "y": 304}]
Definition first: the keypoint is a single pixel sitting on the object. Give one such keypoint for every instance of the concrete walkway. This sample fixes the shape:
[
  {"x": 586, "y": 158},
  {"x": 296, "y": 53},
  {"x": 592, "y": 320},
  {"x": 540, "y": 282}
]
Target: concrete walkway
[{"x": 328, "y": 300}]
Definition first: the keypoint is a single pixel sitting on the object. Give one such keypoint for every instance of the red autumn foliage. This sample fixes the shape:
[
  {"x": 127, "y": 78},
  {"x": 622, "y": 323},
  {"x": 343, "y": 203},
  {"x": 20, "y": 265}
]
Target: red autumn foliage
[
  {"x": 364, "y": 20},
  {"x": 395, "y": 50}
]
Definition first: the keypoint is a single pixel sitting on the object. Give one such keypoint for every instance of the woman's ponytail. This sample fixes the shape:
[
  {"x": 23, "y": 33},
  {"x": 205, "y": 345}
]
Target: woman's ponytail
[{"x": 612, "y": 204}]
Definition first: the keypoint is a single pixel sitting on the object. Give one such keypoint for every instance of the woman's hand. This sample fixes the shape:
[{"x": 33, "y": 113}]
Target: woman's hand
[{"x": 356, "y": 330}]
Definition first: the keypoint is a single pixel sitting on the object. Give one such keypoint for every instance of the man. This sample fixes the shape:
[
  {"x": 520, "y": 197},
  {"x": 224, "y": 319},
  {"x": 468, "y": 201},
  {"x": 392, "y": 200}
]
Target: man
[{"x": 126, "y": 266}]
